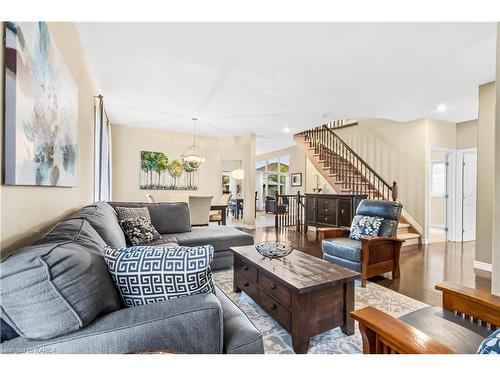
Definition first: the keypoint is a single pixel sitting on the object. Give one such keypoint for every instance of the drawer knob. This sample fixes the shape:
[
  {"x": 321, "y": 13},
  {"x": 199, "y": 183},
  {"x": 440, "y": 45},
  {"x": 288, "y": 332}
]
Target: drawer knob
[
  {"x": 246, "y": 285},
  {"x": 273, "y": 286},
  {"x": 274, "y": 306},
  {"x": 326, "y": 209},
  {"x": 326, "y": 219},
  {"x": 245, "y": 268}
]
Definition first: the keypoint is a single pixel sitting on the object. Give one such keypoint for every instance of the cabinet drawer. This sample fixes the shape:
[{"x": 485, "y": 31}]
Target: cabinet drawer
[
  {"x": 276, "y": 290},
  {"x": 245, "y": 269},
  {"x": 247, "y": 286},
  {"x": 327, "y": 219},
  {"x": 326, "y": 211},
  {"x": 326, "y": 203},
  {"x": 275, "y": 309}
]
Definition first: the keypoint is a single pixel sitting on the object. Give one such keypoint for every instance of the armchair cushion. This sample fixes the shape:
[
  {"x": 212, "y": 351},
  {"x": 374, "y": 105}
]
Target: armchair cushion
[
  {"x": 345, "y": 248},
  {"x": 365, "y": 226},
  {"x": 458, "y": 333},
  {"x": 389, "y": 211}
]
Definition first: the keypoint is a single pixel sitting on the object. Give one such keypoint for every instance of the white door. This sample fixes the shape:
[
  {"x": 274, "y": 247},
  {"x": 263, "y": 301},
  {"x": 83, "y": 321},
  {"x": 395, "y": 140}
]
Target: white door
[{"x": 469, "y": 178}]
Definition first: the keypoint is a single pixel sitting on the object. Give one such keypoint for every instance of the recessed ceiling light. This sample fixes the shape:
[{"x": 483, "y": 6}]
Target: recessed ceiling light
[
  {"x": 441, "y": 108},
  {"x": 286, "y": 130}
]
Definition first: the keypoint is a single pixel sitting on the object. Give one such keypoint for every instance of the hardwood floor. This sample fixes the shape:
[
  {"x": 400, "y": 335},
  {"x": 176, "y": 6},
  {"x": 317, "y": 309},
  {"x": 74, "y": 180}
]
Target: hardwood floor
[{"x": 422, "y": 267}]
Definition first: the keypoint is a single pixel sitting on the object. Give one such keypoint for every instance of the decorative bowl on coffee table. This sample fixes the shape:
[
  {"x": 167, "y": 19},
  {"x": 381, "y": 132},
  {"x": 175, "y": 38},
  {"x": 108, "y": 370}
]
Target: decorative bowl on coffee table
[{"x": 274, "y": 249}]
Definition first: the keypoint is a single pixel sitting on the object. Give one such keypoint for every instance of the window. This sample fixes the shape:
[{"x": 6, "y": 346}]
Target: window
[
  {"x": 272, "y": 176},
  {"x": 438, "y": 179},
  {"x": 102, "y": 149}
]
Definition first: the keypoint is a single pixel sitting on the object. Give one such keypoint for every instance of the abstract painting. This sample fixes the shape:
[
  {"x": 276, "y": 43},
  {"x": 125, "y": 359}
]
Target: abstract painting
[
  {"x": 41, "y": 109},
  {"x": 160, "y": 173}
]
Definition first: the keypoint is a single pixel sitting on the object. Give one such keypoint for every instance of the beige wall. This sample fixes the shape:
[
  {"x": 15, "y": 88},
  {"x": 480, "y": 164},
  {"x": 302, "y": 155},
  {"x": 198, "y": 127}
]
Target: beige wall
[
  {"x": 312, "y": 174},
  {"x": 128, "y": 142},
  {"x": 495, "y": 279},
  {"x": 485, "y": 172},
  {"x": 467, "y": 134},
  {"x": 26, "y": 211}
]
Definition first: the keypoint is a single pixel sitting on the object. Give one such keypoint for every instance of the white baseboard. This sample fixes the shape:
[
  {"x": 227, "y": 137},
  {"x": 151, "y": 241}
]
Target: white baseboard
[{"x": 488, "y": 267}]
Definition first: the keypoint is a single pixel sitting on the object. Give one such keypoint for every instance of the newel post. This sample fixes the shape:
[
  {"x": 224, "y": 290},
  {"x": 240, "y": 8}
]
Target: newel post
[{"x": 394, "y": 191}]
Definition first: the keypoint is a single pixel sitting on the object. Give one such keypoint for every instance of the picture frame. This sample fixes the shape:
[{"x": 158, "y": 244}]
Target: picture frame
[{"x": 296, "y": 179}]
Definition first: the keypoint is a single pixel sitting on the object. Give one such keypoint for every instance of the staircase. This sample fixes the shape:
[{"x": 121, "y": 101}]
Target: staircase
[{"x": 346, "y": 171}]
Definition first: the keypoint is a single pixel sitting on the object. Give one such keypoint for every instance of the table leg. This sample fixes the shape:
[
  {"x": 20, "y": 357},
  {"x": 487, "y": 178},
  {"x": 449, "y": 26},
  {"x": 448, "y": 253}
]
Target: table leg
[
  {"x": 235, "y": 284},
  {"x": 300, "y": 323},
  {"x": 348, "y": 327},
  {"x": 223, "y": 214}
]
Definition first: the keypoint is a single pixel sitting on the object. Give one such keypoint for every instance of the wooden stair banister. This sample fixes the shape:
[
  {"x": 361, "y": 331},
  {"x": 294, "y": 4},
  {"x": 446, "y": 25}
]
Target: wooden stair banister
[{"x": 353, "y": 173}]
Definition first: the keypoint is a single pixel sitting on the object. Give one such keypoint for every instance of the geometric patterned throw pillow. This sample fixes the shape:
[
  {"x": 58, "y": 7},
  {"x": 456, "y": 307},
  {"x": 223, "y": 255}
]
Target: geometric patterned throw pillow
[
  {"x": 491, "y": 344},
  {"x": 365, "y": 226},
  {"x": 139, "y": 231},
  {"x": 149, "y": 274}
]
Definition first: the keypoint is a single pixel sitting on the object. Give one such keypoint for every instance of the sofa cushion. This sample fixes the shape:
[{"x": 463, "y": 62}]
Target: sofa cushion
[
  {"x": 460, "y": 334},
  {"x": 491, "y": 344},
  {"x": 219, "y": 236},
  {"x": 139, "y": 231},
  {"x": 170, "y": 217},
  {"x": 365, "y": 226},
  {"x": 345, "y": 248},
  {"x": 75, "y": 230},
  {"x": 104, "y": 220},
  {"x": 185, "y": 325},
  {"x": 166, "y": 217},
  {"x": 55, "y": 288},
  {"x": 149, "y": 274}
]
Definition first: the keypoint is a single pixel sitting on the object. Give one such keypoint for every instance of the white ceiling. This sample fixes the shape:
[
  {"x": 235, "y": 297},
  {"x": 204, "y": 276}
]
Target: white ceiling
[{"x": 241, "y": 78}]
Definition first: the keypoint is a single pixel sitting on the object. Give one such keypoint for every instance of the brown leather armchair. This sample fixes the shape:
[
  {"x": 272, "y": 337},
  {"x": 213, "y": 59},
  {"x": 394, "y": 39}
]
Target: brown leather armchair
[{"x": 370, "y": 256}]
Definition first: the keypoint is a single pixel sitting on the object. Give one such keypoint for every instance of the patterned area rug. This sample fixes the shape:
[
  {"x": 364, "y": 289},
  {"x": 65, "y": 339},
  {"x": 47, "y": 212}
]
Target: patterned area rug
[{"x": 279, "y": 341}]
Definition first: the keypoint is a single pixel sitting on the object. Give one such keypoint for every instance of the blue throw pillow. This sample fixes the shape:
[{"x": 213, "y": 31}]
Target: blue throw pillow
[
  {"x": 149, "y": 274},
  {"x": 365, "y": 226},
  {"x": 491, "y": 344}
]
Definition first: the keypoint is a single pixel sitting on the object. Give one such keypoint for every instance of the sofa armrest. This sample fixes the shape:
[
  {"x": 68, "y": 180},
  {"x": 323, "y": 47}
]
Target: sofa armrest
[
  {"x": 473, "y": 303},
  {"x": 325, "y": 233},
  {"x": 185, "y": 325},
  {"x": 384, "y": 334}
]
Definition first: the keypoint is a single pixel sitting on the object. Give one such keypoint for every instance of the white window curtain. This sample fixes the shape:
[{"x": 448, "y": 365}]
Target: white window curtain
[{"x": 102, "y": 180}]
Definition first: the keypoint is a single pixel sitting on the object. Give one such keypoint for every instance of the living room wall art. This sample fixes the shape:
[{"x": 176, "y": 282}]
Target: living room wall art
[
  {"x": 41, "y": 109},
  {"x": 158, "y": 172}
]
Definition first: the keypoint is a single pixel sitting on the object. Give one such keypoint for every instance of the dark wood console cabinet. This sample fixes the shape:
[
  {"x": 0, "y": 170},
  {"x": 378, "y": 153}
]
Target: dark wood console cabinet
[{"x": 335, "y": 210}]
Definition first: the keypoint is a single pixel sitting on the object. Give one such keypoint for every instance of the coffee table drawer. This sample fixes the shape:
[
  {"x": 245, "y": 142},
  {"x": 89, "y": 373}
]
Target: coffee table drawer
[
  {"x": 276, "y": 290},
  {"x": 245, "y": 269},
  {"x": 277, "y": 311},
  {"x": 247, "y": 286}
]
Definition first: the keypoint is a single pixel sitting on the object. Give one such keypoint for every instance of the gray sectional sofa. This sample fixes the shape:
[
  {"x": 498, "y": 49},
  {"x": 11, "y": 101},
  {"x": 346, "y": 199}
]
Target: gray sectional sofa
[{"x": 59, "y": 298}]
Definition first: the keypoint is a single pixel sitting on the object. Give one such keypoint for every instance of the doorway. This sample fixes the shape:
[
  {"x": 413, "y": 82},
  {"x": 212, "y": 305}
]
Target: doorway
[
  {"x": 467, "y": 177},
  {"x": 439, "y": 187}
]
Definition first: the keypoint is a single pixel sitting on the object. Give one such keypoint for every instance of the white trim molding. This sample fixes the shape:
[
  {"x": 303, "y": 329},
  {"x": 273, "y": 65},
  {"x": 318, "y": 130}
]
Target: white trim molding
[{"x": 483, "y": 266}]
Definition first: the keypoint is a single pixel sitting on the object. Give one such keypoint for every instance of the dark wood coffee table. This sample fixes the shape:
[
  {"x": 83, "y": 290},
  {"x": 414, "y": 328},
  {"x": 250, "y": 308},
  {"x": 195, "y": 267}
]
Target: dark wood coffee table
[{"x": 305, "y": 294}]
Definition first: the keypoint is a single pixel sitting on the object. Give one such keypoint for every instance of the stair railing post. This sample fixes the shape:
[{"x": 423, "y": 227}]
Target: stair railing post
[
  {"x": 297, "y": 220},
  {"x": 394, "y": 191},
  {"x": 276, "y": 220}
]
